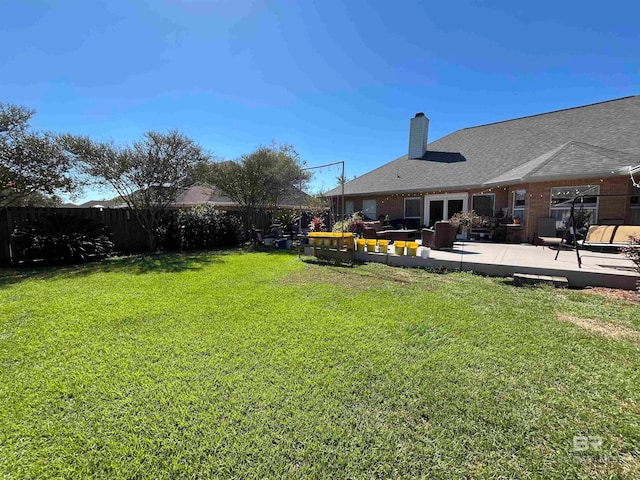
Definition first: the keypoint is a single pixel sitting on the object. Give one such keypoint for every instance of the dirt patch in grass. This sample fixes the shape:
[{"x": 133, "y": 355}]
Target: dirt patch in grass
[
  {"x": 315, "y": 274},
  {"x": 357, "y": 277},
  {"x": 616, "y": 294},
  {"x": 611, "y": 330}
]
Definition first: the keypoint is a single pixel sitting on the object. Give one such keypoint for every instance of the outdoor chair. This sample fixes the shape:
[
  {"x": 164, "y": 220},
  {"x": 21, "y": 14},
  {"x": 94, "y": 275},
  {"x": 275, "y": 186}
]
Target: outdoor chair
[
  {"x": 256, "y": 237},
  {"x": 440, "y": 237},
  {"x": 372, "y": 230},
  {"x": 546, "y": 234}
]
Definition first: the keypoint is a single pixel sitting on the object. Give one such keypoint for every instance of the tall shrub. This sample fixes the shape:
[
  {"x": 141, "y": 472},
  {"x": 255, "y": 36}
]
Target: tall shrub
[{"x": 201, "y": 228}]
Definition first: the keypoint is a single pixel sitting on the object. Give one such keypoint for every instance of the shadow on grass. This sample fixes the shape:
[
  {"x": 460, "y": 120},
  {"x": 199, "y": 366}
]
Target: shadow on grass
[
  {"x": 328, "y": 263},
  {"x": 133, "y": 264}
]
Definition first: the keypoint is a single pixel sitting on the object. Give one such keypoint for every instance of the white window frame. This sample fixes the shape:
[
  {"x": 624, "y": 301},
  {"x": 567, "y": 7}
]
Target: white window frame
[
  {"x": 405, "y": 207},
  {"x": 517, "y": 211},
  {"x": 562, "y": 211},
  {"x": 349, "y": 207},
  {"x": 375, "y": 209},
  {"x": 445, "y": 198},
  {"x": 634, "y": 208}
]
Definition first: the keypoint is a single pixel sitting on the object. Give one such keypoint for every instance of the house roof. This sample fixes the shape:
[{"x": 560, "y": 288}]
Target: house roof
[
  {"x": 206, "y": 194},
  {"x": 99, "y": 204},
  {"x": 592, "y": 140}
]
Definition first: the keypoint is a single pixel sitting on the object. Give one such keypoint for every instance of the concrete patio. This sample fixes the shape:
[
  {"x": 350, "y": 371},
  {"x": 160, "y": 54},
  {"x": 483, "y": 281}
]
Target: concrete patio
[{"x": 503, "y": 260}]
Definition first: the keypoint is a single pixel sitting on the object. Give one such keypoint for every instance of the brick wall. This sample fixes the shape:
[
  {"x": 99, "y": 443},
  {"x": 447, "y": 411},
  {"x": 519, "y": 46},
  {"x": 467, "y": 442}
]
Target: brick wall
[
  {"x": 537, "y": 201},
  {"x": 539, "y": 195}
]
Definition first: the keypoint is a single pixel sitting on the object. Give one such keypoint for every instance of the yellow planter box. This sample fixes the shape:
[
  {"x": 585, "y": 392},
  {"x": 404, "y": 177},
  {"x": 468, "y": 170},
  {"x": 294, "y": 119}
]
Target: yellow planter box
[{"x": 371, "y": 245}]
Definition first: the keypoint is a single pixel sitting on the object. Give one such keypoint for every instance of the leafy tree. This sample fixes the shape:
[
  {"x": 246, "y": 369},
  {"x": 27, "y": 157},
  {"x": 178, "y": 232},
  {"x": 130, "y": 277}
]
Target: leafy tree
[
  {"x": 259, "y": 180},
  {"x": 317, "y": 205},
  {"x": 147, "y": 175},
  {"x": 37, "y": 199},
  {"x": 32, "y": 164}
]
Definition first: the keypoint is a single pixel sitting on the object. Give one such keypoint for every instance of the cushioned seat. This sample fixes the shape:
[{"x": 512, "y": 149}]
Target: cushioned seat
[
  {"x": 624, "y": 232},
  {"x": 546, "y": 234},
  {"x": 440, "y": 237},
  {"x": 609, "y": 236},
  {"x": 372, "y": 230}
]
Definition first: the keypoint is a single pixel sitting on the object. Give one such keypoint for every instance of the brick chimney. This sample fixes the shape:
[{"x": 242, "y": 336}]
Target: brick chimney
[{"x": 418, "y": 135}]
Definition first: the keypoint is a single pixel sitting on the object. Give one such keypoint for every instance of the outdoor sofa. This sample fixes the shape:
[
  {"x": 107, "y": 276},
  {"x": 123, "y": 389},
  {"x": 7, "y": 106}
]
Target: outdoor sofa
[
  {"x": 441, "y": 236},
  {"x": 609, "y": 237}
]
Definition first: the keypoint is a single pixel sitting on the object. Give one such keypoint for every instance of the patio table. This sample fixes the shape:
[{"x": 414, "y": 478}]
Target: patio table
[{"x": 406, "y": 234}]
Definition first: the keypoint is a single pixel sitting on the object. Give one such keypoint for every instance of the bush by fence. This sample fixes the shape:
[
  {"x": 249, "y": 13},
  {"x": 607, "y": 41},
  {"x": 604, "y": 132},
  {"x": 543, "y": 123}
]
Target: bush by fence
[
  {"x": 201, "y": 227},
  {"x": 59, "y": 239},
  {"x": 126, "y": 234}
]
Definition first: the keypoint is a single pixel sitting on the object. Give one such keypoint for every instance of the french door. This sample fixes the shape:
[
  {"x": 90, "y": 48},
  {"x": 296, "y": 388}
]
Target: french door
[{"x": 443, "y": 207}]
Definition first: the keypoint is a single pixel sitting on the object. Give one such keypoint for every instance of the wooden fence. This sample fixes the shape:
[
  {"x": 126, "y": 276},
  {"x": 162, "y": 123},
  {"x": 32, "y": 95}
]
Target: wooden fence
[{"x": 128, "y": 235}]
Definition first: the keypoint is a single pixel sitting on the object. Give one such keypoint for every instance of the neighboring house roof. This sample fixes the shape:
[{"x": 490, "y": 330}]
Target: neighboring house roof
[
  {"x": 201, "y": 195},
  {"x": 592, "y": 140},
  {"x": 208, "y": 195},
  {"x": 99, "y": 204},
  {"x": 204, "y": 195}
]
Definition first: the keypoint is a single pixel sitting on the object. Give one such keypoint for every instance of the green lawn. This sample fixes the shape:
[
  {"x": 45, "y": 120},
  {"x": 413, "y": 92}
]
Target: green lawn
[{"x": 258, "y": 365}]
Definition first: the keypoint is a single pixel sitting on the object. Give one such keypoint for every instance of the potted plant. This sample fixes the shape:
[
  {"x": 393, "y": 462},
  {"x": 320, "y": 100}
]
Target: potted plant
[
  {"x": 317, "y": 224},
  {"x": 465, "y": 220}
]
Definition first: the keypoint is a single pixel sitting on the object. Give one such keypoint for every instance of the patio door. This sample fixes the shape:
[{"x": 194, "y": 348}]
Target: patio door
[{"x": 443, "y": 207}]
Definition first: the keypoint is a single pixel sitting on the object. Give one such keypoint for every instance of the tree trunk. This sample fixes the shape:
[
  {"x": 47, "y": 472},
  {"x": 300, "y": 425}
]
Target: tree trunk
[{"x": 153, "y": 240}]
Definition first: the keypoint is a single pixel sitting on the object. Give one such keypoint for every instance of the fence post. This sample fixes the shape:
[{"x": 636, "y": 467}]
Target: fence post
[{"x": 5, "y": 237}]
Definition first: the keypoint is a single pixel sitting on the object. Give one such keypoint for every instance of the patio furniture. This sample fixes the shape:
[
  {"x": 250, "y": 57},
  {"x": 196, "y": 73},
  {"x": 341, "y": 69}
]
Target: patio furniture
[
  {"x": 511, "y": 232},
  {"x": 256, "y": 237},
  {"x": 440, "y": 237},
  {"x": 546, "y": 234},
  {"x": 372, "y": 230},
  {"x": 404, "y": 224},
  {"x": 609, "y": 237},
  {"x": 402, "y": 234}
]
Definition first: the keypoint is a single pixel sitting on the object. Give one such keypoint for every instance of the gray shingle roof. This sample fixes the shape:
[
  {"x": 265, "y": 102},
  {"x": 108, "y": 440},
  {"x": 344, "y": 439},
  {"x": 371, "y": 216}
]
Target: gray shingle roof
[
  {"x": 208, "y": 195},
  {"x": 592, "y": 140}
]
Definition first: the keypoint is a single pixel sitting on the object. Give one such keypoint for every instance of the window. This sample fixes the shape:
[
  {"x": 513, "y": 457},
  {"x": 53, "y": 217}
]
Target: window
[
  {"x": 586, "y": 211},
  {"x": 369, "y": 209},
  {"x": 519, "y": 203},
  {"x": 483, "y": 204},
  {"x": 412, "y": 208},
  {"x": 635, "y": 197},
  {"x": 348, "y": 207},
  {"x": 635, "y": 207}
]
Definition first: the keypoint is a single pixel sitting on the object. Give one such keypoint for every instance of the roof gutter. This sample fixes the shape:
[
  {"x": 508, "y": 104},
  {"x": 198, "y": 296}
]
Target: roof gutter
[
  {"x": 413, "y": 190},
  {"x": 489, "y": 184}
]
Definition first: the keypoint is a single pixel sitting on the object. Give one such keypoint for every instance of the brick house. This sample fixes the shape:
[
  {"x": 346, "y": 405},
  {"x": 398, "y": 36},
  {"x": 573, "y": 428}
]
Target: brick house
[{"x": 526, "y": 168}]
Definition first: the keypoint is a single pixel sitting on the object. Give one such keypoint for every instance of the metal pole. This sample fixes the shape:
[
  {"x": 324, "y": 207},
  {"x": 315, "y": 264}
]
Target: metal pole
[
  {"x": 342, "y": 181},
  {"x": 300, "y": 212},
  {"x": 573, "y": 229},
  {"x": 341, "y": 162}
]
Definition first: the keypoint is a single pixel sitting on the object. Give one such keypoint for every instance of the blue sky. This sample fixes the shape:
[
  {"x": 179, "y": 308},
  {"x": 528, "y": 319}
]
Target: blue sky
[{"x": 337, "y": 79}]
